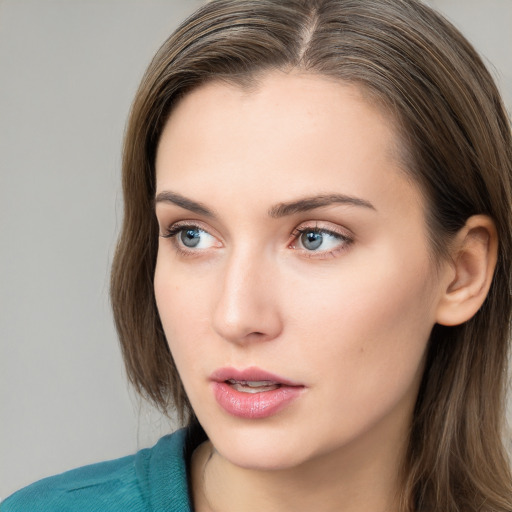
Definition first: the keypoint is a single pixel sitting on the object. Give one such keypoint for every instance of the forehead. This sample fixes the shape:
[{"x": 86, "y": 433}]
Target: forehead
[
  {"x": 273, "y": 100},
  {"x": 296, "y": 132}
]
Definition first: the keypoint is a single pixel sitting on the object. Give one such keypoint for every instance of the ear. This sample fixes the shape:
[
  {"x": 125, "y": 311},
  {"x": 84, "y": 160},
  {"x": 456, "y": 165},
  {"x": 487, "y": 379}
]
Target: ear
[{"x": 468, "y": 275}]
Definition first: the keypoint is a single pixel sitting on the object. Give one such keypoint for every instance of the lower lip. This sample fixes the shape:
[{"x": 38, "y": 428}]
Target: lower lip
[{"x": 254, "y": 405}]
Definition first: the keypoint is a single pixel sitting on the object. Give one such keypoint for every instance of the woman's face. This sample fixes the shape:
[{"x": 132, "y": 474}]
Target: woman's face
[{"x": 293, "y": 276}]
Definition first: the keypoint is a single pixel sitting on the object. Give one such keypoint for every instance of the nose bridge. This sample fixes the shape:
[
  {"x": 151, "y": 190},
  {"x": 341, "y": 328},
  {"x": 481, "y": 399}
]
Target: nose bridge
[{"x": 246, "y": 308}]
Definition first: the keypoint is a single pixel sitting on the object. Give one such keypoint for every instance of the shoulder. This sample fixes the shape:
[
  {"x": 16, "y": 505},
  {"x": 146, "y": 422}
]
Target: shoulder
[{"x": 152, "y": 479}]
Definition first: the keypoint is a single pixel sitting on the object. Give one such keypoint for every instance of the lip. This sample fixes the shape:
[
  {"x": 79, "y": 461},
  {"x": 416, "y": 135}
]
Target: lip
[{"x": 253, "y": 405}]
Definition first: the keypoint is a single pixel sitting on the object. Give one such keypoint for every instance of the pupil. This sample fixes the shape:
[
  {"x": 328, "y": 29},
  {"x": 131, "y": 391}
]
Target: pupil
[
  {"x": 190, "y": 237},
  {"x": 312, "y": 240}
]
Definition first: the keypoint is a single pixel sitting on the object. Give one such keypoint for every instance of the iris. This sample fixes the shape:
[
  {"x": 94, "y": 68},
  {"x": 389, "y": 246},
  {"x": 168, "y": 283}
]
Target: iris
[
  {"x": 312, "y": 240},
  {"x": 190, "y": 237}
]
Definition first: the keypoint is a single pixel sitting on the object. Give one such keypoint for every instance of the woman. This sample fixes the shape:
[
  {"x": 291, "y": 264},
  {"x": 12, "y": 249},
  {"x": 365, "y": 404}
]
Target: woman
[{"x": 314, "y": 267}]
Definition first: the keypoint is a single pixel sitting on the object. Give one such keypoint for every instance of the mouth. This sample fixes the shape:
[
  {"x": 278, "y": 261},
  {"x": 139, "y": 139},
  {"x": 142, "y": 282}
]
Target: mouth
[
  {"x": 252, "y": 377},
  {"x": 253, "y": 393},
  {"x": 254, "y": 386}
]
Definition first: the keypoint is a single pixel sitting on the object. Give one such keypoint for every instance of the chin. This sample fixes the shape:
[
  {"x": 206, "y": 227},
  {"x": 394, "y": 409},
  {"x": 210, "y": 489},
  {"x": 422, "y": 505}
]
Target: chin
[
  {"x": 261, "y": 459},
  {"x": 263, "y": 449}
]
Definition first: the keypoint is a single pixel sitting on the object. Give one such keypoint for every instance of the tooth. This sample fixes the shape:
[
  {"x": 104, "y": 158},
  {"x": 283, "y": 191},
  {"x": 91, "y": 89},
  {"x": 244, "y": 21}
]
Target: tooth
[
  {"x": 252, "y": 383},
  {"x": 247, "y": 388},
  {"x": 259, "y": 383}
]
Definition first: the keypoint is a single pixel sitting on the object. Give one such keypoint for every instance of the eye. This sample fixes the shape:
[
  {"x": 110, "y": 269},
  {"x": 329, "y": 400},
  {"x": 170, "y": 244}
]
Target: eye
[
  {"x": 320, "y": 241},
  {"x": 194, "y": 238},
  {"x": 191, "y": 238}
]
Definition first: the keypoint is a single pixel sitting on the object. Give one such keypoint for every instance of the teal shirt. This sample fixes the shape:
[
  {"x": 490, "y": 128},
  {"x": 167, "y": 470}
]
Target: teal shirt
[{"x": 154, "y": 479}]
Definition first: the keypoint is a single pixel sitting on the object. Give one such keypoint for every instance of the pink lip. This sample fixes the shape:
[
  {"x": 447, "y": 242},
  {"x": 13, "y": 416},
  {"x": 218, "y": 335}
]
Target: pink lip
[{"x": 253, "y": 405}]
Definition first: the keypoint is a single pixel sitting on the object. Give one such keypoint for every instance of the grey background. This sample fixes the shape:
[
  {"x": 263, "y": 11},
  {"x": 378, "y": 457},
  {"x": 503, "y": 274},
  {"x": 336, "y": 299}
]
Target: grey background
[{"x": 68, "y": 72}]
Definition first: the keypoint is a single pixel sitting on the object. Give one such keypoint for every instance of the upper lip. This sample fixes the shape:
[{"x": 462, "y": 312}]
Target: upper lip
[{"x": 252, "y": 373}]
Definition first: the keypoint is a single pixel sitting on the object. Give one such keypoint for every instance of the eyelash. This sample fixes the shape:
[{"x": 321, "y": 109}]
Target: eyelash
[
  {"x": 172, "y": 231},
  {"x": 176, "y": 229},
  {"x": 344, "y": 238},
  {"x": 344, "y": 241}
]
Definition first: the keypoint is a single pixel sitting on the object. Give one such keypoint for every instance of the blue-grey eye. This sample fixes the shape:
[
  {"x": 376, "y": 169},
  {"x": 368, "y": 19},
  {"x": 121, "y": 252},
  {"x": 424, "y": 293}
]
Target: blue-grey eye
[
  {"x": 190, "y": 237},
  {"x": 311, "y": 240},
  {"x": 320, "y": 240}
]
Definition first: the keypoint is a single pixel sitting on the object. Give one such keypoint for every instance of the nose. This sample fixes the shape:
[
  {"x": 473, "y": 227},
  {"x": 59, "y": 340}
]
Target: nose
[{"x": 247, "y": 308}]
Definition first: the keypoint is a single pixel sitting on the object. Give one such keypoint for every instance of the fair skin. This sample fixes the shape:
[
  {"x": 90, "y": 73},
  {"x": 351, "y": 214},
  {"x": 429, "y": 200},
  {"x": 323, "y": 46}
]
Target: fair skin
[{"x": 339, "y": 298}]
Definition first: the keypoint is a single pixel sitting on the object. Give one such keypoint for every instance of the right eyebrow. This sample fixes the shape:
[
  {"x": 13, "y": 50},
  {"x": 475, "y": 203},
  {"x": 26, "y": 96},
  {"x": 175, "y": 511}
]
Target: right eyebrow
[{"x": 174, "y": 198}]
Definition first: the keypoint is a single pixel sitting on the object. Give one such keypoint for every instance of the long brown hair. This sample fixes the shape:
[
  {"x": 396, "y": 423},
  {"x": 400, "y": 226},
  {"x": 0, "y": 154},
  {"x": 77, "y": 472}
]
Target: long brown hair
[{"x": 457, "y": 147}]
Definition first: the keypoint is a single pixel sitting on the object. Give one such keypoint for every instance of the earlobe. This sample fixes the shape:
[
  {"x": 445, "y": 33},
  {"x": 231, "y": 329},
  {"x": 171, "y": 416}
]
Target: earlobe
[{"x": 473, "y": 260}]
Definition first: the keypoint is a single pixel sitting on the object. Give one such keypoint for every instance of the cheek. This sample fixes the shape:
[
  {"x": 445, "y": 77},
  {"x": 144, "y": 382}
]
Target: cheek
[
  {"x": 363, "y": 345},
  {"x": 182, "y": 305},
  {"x": 369, "y": 324}
]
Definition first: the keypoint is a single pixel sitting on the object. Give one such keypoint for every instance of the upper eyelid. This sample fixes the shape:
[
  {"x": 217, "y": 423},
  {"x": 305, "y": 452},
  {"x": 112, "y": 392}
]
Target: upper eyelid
[
  {"x": 187, "y": 224},
  {"x": 324, "y": 226},
  {"x": 305, "y": 229}
]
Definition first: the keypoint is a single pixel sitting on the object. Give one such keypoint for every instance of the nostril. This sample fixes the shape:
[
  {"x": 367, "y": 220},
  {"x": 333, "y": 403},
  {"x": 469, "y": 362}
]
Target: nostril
[{"x": 257, "y": 335}]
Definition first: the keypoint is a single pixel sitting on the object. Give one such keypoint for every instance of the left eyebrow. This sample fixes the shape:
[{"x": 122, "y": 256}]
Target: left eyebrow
[{"x": 310, "y": 203}]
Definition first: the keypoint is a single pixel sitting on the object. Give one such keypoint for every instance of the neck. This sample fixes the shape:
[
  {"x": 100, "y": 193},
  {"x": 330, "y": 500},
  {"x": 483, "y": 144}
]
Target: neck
[{"x": 350, "y": 479}]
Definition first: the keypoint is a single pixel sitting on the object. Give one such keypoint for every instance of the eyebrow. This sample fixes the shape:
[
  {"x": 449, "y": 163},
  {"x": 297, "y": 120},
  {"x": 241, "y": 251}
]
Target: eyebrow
[
  {"x": 277, "y": 211},
  {"x": 310, "y": 203},
  {"x": 183, "y": 202}
]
